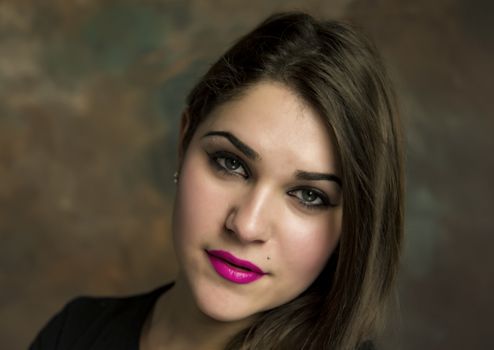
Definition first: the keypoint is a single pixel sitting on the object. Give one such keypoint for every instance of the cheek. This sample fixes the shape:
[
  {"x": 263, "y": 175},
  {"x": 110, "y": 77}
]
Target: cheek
[
  {"x": 308, "y": 244},
  {"x": 199, "y": 206}
]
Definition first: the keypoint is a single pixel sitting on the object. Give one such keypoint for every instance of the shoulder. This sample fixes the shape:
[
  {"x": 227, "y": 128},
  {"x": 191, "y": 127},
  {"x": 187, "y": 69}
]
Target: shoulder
[
  {"x": 85, "y": 319},
  {"x": 71, "y": 321}
]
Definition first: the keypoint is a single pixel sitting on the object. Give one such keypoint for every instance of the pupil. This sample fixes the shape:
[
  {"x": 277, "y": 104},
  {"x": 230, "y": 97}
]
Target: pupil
[
  {"x": 309, "y": 196},
  {"x": 231, "y": 163}
]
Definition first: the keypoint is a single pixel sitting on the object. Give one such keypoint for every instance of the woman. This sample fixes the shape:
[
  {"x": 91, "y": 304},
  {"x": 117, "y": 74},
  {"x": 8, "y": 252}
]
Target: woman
[{"x": 288, "y": 214}]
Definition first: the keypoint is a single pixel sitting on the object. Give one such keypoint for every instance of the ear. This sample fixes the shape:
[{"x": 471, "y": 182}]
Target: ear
[{"x": 184, "y": 127}]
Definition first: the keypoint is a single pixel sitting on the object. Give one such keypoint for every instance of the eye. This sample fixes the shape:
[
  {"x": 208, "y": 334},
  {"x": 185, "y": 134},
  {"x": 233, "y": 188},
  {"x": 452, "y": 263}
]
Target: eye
[
  {"x": 311, "y": 198},
  {"x": 229, "y": 164}
]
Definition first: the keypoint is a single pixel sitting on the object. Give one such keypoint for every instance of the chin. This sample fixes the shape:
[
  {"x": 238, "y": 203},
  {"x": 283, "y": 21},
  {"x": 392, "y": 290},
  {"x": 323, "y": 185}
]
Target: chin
[
  {"x": 221, "y": 315},
  {"x": 224, "y": 308}
]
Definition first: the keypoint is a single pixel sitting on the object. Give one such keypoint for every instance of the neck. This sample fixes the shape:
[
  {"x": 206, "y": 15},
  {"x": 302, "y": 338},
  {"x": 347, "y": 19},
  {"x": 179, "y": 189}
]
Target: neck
[{"x": 176, "y": 323}]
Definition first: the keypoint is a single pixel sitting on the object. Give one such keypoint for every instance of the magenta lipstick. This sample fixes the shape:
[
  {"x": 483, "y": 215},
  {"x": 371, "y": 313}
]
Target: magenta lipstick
[{"x": 232, "y": 268}]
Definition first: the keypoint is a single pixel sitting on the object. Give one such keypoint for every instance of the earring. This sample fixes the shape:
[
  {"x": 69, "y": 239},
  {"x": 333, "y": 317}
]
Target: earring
[{"x": 175, "y": 177}]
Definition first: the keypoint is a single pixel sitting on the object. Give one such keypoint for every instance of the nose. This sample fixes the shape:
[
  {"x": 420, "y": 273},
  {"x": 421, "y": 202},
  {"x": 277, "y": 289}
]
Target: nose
[{"x": 250, "y": 218}]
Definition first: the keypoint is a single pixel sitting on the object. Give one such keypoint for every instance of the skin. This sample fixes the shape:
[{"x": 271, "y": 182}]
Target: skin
[{"x": 252, "y": 208}]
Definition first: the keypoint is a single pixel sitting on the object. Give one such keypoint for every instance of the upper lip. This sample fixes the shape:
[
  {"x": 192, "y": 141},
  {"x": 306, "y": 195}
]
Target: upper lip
[{"x": 228, "y": 257}]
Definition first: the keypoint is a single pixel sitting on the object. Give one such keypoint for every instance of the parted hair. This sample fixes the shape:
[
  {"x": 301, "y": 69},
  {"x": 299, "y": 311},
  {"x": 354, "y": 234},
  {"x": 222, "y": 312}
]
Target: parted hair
[{"x": 337, "y": 70}]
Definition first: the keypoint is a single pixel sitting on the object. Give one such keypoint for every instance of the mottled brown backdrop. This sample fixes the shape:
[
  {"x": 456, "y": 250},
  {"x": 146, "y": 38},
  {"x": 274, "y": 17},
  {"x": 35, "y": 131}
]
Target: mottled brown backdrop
[{"x": 90, "y": 97}]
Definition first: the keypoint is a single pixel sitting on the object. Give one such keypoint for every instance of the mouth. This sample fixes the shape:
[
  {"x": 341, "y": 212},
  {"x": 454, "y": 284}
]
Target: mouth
[{"x": 232, "y": 268}]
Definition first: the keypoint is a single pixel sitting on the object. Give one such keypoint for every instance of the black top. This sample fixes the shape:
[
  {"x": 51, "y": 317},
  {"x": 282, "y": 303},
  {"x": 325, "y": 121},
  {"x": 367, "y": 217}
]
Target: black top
[
  {"x": 98, "y": 323},
  {"x": 103, "y": 324}
]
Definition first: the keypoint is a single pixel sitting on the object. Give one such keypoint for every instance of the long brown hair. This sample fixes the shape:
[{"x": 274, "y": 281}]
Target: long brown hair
[{"x": 335, "y": 69}]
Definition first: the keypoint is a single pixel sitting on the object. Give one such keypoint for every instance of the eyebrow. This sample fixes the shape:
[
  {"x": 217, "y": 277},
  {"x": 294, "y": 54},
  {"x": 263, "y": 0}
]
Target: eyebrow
[
  {"x": 311, "y": 176},
  {"x": 242, "y": 147}
]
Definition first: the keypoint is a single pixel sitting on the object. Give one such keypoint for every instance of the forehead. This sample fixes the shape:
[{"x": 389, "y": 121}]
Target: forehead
[{"x": 273, "y": 120}]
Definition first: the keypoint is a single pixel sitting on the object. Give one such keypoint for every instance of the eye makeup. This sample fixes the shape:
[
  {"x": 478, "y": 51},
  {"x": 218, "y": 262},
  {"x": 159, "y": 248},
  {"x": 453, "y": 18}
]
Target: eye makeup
[
  {"x": 239, "y": 145},
  {"x": 226, "y": 162},
  {"x": 311, "y": 198}
]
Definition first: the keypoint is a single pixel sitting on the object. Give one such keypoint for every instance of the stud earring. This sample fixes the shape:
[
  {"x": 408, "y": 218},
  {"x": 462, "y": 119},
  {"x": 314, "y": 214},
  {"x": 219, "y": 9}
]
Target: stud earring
[{"x": 175, "y": 177}]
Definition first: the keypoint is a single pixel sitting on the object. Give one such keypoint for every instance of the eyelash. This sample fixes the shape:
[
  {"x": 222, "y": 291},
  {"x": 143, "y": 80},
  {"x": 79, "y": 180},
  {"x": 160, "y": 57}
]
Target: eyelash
[
  {"x": 325, "y": 203},
  {"x": 214, "y": 159}
]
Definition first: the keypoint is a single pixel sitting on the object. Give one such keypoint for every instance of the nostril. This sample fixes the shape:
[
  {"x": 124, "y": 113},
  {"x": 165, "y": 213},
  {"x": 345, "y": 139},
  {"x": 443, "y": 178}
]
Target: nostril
[
  {"x": 246, "y": 219},
  {"x": 229, "y": 231},
  {"x": 229, "y": 224}
]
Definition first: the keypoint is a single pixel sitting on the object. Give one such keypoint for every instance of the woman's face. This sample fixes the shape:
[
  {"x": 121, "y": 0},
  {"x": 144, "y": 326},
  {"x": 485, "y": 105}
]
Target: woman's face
[{"x": 259, "y": 185}]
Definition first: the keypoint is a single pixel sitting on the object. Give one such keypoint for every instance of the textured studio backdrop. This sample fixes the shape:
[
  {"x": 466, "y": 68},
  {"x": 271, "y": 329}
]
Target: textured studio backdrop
[{"x": 90, "y": 98}]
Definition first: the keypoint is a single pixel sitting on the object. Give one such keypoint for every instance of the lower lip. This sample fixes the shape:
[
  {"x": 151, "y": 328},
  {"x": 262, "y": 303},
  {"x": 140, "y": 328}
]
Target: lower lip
[{"x": 232, "y": 273}]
